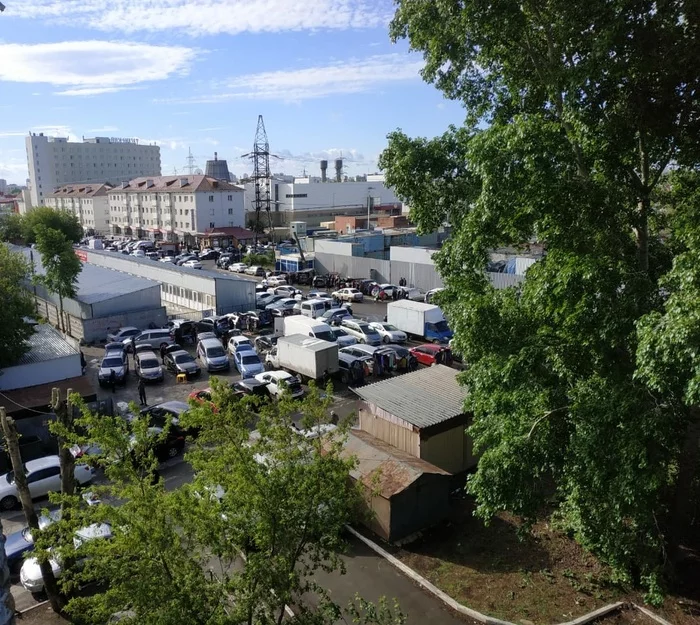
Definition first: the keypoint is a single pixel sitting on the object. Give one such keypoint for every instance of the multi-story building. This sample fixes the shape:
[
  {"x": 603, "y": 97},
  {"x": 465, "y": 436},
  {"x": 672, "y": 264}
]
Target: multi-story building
[
  {"x": 88, "y": 202},
  {"x": 171, "y": 208},
  {"x": 3, "y": 186},
  {"x": 55, "y": 161}
]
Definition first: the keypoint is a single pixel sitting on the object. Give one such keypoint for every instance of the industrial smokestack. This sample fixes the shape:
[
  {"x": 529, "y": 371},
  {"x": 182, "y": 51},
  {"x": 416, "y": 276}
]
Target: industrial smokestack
[
  {"x": 324, "y": 168},
  {"x": 338, "y": 169}
]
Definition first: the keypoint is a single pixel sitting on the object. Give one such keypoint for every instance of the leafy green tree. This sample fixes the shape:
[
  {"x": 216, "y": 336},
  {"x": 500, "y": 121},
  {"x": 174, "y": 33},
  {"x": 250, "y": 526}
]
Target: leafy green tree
[
  {"x": 61, "y": 265},
  {"x": 11, "y": 228},
  {"x": 16, "y": 304},
  {"x": 573, "y": 114},
  {"x": 44, "y": 216},
  {"x": 235, "y": 545}
]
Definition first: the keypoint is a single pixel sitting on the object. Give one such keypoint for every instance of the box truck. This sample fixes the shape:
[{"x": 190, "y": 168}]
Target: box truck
[
  {"x": 310, "y": 357},
  {"x": 419, "y": 320}
]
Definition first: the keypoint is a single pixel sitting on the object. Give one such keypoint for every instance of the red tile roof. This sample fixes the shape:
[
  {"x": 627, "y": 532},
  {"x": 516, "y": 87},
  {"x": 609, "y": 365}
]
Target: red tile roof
[{"x": 178, "y": 183}]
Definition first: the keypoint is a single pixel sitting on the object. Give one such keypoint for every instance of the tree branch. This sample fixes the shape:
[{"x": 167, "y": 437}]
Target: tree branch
[{"x": 543, "y": 417}]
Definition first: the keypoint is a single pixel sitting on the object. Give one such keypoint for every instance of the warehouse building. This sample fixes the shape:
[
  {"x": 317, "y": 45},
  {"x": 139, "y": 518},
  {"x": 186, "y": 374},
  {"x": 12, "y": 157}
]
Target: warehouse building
[
  {"x": 105, "y": 301},
  {"x": 421, "y": 413},
  {"x": 182, "y": 290}
]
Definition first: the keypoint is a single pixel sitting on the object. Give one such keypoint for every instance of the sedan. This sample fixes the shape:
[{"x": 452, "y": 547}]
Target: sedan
[
  {"x": 286, "y": 303},
  {"x": 179, "y": 361},
  {"x": 430, "y": 354},
  {"x": 168, "y": 259},
  {"x": 192, "y": 264},
  {"x": 276, "y": 281},
  {"x": 248, "y": 363},
  {"x": 238, "y": 267},
  {"x": 122, "y": 334},
  {"x": 116, "y": 361},
  {"x": 348, "y": 295},
  {"x": 319, "y": 295},
  {"x": 43, "y": 477},
  {"x": 388, "y": 332},
  {"x": 209, "y": 255},
  {"x": 335, "y": 315}
]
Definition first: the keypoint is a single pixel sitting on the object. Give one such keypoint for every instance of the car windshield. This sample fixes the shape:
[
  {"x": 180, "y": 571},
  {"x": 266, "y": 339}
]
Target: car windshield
[
  {"x": 440, "y": 326},
  {"x": 339, "y": 332},
  {"x": 183, "y": 358},
  {"x": 389, "y": 328},
  {"x": 326, "y": 336},
  {"x": 250, "y": 360},
  {"x": 109, "y": 363},
  {"x": 215, "y": 352},
  {"x": 365, "y": 329},
  {"x": 150, "y": 363}
]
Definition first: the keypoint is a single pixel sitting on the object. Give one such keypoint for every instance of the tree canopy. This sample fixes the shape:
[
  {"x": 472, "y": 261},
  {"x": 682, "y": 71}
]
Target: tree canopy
[
  {"x": 24, "y": 228},
  {"x": 16, "y": 304},
  {"x": 574, "y": 114}
]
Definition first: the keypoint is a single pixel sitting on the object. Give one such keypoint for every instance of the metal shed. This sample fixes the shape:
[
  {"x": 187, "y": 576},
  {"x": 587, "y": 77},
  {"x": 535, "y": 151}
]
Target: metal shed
[
  {"x": 404, "y": 494},
  {"x": 421, "y": 413}
]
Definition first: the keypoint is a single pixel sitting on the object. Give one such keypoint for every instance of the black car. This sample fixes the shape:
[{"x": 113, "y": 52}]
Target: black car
[
  {"x": 164, "y": 447},
  {"x": 251, "y": 386},
  {"x": 265, "y": 342},
  {"x": 217, "y": 325},
  {"x": 210, "y": 255},
  {"x": 179, "y": 361},
  {"x": 159, "y": 414}
]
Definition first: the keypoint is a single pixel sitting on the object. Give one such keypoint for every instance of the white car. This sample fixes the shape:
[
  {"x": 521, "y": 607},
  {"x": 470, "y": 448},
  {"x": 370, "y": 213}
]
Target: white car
[
  {"x": 348, "y": 295},
  {"x": 278, "y": 381},
  {"x": 275, "y": 281},
  {"x": 240, "y": 343},
  {"x": 238, "y": 267},
  {"x": 167, "y": 259},
  {"x": 43, "y": 477},
  {"x": 389, "y": 333},
  {"x": 192, "y": 264},
  {"x": 30, "y": 574}
]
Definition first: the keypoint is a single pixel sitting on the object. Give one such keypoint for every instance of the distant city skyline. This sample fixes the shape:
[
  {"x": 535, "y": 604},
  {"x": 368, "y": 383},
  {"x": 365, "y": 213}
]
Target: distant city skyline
[{"x": 195, "y": 75}]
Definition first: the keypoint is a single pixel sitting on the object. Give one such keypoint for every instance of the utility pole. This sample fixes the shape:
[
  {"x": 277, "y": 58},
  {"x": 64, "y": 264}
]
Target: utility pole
[
  {"x": 9, "y": 430},
  {"x": 190, "y": 162}
]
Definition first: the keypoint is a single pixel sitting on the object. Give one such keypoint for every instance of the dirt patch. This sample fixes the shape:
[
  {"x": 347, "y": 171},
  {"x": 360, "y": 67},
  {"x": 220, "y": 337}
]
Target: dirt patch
[
  {"x": 41, "y": 616},
  {"x": 540, "y": 576}
]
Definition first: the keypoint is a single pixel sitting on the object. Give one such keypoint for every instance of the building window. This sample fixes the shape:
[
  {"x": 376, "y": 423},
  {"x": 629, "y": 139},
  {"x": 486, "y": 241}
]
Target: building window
[
  {"x": 230, "y": 211},
  {"x": 295, "y": 195},
  {"x": 211, "y": 198},
  {"x": 230, "y": 198}
]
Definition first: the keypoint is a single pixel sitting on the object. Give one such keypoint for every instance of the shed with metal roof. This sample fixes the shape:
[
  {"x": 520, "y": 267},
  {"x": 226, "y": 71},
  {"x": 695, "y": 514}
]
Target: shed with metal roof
[{"x": 421, "y": 413}]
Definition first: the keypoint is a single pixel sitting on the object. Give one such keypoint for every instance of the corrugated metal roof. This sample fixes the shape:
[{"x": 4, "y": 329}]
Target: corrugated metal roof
[
  {"x": 383, "y": 468},
  {"x": 422, "y": 398},
  {"x": 44, "y": 345},
  {"x": 98, "y": 284}
]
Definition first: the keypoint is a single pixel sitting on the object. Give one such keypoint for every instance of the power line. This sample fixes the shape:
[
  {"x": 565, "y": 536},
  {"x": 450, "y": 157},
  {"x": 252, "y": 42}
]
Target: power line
[{"x": 24, "y": 407}]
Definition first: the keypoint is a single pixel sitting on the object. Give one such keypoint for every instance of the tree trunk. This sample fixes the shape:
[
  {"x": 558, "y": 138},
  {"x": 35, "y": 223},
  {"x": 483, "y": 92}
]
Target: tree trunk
[
  {"x": 11, "y": 439},
  {"x": 60, "y": 305},
  {"x": 642, "y": 233},
  {"x": 64, "y": 416}
]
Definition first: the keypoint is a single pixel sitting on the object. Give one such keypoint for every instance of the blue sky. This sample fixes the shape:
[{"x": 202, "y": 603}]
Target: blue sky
[{"x": 196, "y": 73}]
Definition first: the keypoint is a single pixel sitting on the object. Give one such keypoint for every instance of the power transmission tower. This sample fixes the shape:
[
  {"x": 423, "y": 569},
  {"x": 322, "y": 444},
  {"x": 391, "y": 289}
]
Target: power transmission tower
[
  {"x": 261, "y": 175},
  {"x": 191, "y": 163}
]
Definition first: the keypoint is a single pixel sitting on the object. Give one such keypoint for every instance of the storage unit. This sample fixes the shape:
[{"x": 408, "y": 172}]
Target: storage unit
[
  {"x": 421, "y": 413},
  {"x": 310, "y": 357},
  {"x": 419, "y": 319}
]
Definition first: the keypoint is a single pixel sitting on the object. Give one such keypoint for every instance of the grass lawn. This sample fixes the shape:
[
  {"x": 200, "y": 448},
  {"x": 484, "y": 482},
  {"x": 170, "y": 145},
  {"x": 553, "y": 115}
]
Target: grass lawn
[{"x": 544, "y": 578}]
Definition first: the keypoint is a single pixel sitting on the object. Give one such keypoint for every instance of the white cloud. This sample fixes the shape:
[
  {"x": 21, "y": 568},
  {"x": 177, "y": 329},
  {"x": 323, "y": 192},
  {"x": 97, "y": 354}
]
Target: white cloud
[
  {"x": 11, "y": 133},
  {"x": 86, "y": 91},
  {"x": 104, "y": 129},
  {"x": 206, "y": 17},
  {"x": 92, "y": 67},
  {"x": 353, "y": 76}
]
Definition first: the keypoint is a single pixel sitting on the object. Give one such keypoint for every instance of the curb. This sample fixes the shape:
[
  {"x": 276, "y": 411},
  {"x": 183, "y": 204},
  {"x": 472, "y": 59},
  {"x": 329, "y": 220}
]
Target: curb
[
  {"x": 35, "y": 606},
  {"x": 478, "y": 616}
]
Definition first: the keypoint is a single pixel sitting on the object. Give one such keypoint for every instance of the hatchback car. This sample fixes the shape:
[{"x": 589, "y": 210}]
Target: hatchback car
[
  {"x": 335, "y": 315},
  {"x": 255, "y": 271},
  {"x": 251, "y": 386},
  {"x": 286, "y": 303},
  {"x": 240, "y": 344},
  {"x": 276, "y": 281},
  {"x": 213, "y": 355},
  {"x": 248, "y": 363},
  {"x": 179, "y": 361},
  {"x": 148, "y": 367},
  {"x": 388, "y": 332},
  {"x": 265, "y": 342},
  {"x": 279, "y": 381},
  {"x": 43, "y": 477},
  {"x": 430, "y": 354},
  {"x": 237, "y": 267},
  {"x": 348, "y": 295},
  {"x": 117, "y": 361},
  {"x": 361, "y": 330},
  {"x": 122, "y": 333}
]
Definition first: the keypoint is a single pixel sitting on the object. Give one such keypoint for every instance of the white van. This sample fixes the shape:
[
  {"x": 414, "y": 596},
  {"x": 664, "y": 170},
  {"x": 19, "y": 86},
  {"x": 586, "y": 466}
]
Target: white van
[
  {"x": 313, "y": 308},
  {"x": 298, "y": 324}
]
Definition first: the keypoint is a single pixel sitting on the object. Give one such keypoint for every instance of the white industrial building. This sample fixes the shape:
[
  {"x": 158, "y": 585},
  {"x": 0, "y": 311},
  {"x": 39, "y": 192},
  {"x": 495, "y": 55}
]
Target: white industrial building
[
  {"x": 88, "y": 202},
  {"x": 316, "y": 199},
  {"x": 169, "y": 208},
  {"x": 55, "y": 161}
]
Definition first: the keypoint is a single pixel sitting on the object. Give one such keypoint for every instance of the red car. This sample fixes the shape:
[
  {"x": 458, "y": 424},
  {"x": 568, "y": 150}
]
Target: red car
[
  {"x": 203, "y": 396},
  {"x": 430, "y": 353}
]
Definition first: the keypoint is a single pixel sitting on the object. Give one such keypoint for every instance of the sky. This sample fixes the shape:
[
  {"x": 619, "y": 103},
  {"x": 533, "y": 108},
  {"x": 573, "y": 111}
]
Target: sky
[{"x": 195, "y": 75}]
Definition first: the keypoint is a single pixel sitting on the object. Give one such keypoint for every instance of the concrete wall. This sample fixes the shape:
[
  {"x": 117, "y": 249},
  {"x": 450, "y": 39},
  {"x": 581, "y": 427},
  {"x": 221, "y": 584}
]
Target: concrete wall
[{"x": 36, "y": 373}]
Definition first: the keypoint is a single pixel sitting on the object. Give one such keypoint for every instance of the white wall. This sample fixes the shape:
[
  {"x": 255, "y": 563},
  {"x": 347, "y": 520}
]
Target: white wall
[
  {"x": 406, "y": 254},
  {"x": 37, "y": 373},
  {"x": 328, "y": 246},
  {"x": 226, "y": 210}
]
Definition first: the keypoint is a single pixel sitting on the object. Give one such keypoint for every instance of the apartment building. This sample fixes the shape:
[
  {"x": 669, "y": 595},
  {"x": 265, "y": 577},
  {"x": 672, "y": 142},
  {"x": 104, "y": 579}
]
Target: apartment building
[
  {"x": 171, "y": 208},
  {"x": 88, "y": 202},
  {"x": 55, "y": 161}
]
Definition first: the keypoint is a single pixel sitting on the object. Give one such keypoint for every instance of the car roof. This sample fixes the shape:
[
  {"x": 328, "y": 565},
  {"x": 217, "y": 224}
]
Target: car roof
[
  {"x": 250, "y": 383},
  {"x": 123, "y": 328},
  {"x": 42, "y": 463},
  {"x": 146, "y": 354},
  {"x": 281, "y": 375},
  {"x": 240, "y": 339},
  {"x": 178, "y": 352},
  {"x": 432, "y": 347},
  {"x": 175, "y": 406}
]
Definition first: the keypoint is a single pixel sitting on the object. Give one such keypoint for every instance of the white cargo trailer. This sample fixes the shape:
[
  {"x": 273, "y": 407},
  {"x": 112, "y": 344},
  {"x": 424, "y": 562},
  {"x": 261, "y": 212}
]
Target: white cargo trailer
[
  {"x": 310, "y": 357},
  {"x": 419, "y": 320}
]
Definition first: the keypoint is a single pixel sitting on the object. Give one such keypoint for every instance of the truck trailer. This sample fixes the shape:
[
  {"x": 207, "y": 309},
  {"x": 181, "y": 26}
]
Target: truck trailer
[
  {"x": 419, "y": 319},
  {"x": 310, "y": 357}
]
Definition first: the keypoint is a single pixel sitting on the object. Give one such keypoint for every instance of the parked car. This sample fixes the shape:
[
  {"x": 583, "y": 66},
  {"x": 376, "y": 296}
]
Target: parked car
[
  {"x": 240, "y": 344},
  {"x": 238, "y": 267},
  {"x": 168, "y": 259},
  {"x": 276, "y": 281},
  {"x": 335, "y": 315},
  {"x": 157, "y": 338},
  {"x": 192, "y": 264},
  {"x": 342, "y": 337},
  {"x": 255, "y": 271},
  {"x": 432, "y": 353},
  {"x": 159, "y": 414},
  {"x": 179, "y": 361},
  {"x": 388, "y": 332},
  {"x": 117, "y": 361},
  {"x": 251, "y": 386},
  {"x": 286, "y": 303},
  {"x": 361, "y": 330},
  {"x": 431, "y": 294},
  {"x": 147, "y": 367},
  {"x": 279, "y": 381},
  {"x": 286, "y": 289},
  {"x": 351, "y": 369},
  {"x": 366, "y": 357},
  {"x": 384, "y": 291},
  {"x": 263, "y": 299},
  {"x": 22, "y": 541},
  {"x": 181, "y": 260},
  {"x": 265, "y": 342},
  {"x": 319, "y": 295},
  {"x": 43, "y": 477},
  {"x": 122, "y": 333},
  {"x": 209, "y": 255},
  {"x": 348, "y": 295},
  {"x": 248, "y": 363},
  {"x": 213, "y": 355}
]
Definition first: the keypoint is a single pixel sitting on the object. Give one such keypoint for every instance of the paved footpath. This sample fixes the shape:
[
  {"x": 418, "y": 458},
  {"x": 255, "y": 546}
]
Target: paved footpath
[{"x": 372, "y": 577}]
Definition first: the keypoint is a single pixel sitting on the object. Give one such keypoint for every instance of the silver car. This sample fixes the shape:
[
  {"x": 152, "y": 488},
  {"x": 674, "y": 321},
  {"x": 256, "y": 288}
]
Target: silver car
[
  {"x": 116, "y": 361},
  {"x": 148, "y": 367}
]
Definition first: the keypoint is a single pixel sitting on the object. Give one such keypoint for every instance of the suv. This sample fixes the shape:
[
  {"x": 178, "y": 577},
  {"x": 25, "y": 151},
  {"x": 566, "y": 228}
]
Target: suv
[
  {"x": 114, "y": 360},
  {"x": 361, "y": 331},
  {"x": 157, "y": 338},
  {"x": 148, "y": 367},
  {"x": 255, "y": 271},
  {"x": 123, "y": 333}
]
